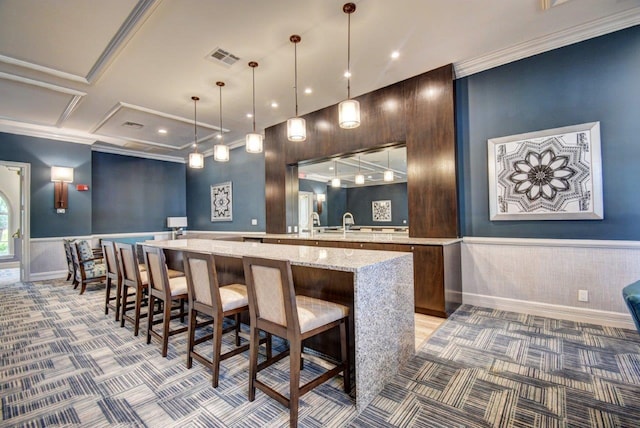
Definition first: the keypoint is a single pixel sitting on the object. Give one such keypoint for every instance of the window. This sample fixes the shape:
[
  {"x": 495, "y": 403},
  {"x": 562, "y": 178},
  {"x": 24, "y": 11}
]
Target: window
[{"x": 4, "y": 226}]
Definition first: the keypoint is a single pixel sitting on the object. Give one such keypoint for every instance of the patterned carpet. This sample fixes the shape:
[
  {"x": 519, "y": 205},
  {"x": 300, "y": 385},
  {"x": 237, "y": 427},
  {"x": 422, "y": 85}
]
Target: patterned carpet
[{"x": 63, "y": 362}]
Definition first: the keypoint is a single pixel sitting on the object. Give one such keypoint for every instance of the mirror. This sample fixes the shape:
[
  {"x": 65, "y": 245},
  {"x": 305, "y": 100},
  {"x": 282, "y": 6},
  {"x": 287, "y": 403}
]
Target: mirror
[{"x": 376, "y": 204}]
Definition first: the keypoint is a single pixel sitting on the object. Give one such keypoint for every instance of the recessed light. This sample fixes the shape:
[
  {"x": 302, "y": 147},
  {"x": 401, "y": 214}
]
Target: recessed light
[
  {"x": 249, "y": 115},
  {"x": 308, "y": 90},
  {"x": 395, "y": 55},
  {"x": 369, "y": 176},
  {"x": 330, "y": 168},
  {"x": 274, "y": 104},
  {"x": 347, "y": 74},
  {"x": 219, "y": 136},
  {"x": 162, "y": 131}
]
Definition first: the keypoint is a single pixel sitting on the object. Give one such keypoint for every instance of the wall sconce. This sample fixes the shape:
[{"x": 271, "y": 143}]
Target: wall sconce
[
  {"x": 176, "y": 224},
  {"x": 60, "y": 176},
  {"x": 320, "y": 197}
]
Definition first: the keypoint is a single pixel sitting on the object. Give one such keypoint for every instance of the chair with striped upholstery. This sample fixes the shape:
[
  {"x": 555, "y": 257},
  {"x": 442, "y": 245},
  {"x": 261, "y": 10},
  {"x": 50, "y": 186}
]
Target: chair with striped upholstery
[{"x": 88, "y": 270}]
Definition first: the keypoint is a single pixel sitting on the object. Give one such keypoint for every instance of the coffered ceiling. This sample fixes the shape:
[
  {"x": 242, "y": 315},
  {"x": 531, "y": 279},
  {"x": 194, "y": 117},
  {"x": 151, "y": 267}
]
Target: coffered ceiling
[{"x": 113, "y": 73}]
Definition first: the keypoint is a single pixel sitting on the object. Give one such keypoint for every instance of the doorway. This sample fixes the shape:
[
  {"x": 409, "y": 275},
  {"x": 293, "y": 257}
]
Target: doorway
[
  {"x": 305, "y": 208},
  {"x": 15, "y": 178}
]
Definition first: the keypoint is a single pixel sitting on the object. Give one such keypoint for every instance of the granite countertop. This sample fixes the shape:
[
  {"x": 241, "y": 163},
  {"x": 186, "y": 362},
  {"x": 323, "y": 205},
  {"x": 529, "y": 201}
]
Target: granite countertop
[
  {"x": 343, "y": 259},
  {"x": 378, "y": 237}
]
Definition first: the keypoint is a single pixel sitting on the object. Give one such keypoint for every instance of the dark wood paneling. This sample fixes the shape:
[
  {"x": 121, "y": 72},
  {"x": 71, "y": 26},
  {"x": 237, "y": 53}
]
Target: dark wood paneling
[
  {"x": 418, "y": 111},
  {"x": 431, "y": 155},
  {"x": 428, "y": 266}
]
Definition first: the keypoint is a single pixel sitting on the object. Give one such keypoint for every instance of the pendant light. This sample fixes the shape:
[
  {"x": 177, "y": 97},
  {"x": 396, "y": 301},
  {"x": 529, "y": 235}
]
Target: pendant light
[
  {"x": 359, "y": 176},
  {"x": 349, "y": 110},
  {"x": 388, "y": 174},
  {"x": 196, "y": 160},
  {"x": 296, "y": 126},
  {"x": 335, "y": 181},
  {"x": 221, "y": 150},
  {"x": 253, "y": 140}
]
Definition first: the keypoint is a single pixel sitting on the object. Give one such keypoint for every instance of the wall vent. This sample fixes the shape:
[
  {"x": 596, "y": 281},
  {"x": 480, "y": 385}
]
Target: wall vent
[
  {"x": 223, "y": 57},
  {"x": 133, "y": 125}
]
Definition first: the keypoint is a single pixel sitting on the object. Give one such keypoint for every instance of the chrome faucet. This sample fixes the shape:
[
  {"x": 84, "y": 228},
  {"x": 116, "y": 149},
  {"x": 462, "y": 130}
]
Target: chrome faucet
[
  {"x": 347, "y": 219},
  {"x": 314, "y": 216}
]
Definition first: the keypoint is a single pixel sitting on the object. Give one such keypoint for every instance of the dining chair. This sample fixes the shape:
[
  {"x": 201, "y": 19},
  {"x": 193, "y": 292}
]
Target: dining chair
[
  {"x": 215, "y": 303},
  {"x": 87, "y": 268},
  {"x": 275, "y": 308},
  {"x": 172, "y": 292},
  {"x": 114, "y": 278},
  {"x": 134, "y": 285}
]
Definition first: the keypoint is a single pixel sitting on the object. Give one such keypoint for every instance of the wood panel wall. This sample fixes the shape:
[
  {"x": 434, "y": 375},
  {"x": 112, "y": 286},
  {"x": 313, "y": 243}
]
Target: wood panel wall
[{"x": 418, "y": 111}]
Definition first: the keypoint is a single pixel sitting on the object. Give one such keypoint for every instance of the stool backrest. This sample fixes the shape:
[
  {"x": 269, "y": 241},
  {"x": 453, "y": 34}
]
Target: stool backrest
[
  {"x": 157, "y": 269},
  {"x": 202, "y": 279},
  {"x": 128, "y": 262},
  {"x": 110, "y": 259},
  {"x": 270, "y": 290}
]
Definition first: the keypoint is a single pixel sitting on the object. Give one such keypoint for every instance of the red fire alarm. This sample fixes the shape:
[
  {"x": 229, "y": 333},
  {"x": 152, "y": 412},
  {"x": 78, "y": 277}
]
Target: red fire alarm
[{"x": 82, "y": 187}]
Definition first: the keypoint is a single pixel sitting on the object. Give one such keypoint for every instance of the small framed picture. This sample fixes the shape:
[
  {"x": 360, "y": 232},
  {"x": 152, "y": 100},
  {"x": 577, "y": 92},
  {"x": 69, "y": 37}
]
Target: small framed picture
[
  {"x": 222, "y": 202},
  {"x": 381, "y": 210}
]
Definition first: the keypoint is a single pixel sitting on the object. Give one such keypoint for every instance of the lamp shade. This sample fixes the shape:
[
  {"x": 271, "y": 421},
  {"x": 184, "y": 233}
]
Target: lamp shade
[
  {"x": 335, "y": 182},
  {"x": 349, "y": 114},
  {"x": 359, "y": 179},
  {"x": 61, "y": 173},
  {"x": 321, "y": 197},
  {"x": 388, "y": 175},
  {"x": 196, "y": 160},
  {"x": 253, "y": 142},
  {"x": 296, "y": 129},
  {"x": 176, "y": 222},
  {"x": 221, "y": 152}
]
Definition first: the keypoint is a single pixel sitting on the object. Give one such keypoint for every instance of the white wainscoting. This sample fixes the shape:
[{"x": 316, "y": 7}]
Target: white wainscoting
[
  {"x": 543, "y": 276},
  {"x": 48, "y": 260}
]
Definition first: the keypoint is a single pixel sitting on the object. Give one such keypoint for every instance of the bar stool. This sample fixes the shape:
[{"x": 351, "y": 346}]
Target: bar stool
[
  {"x": 207, "y": 298},
  {"x": 134, "y": 284},
  {"x": 168, "y": 291},
  {"x": 274, "y": 308},
  {"x": 113, "y": 274}
]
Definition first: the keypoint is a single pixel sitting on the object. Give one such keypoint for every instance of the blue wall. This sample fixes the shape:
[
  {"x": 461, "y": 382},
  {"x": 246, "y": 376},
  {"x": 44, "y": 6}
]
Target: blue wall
[
  {"x": 359, "y": 201},
  {"x": 246, "y": 172},
  {"x": 316, "y": 187},
  {"x": 133, "y": 194},
  {"x": 42, "y": 154},
  {"x": 595, "y": 80}
]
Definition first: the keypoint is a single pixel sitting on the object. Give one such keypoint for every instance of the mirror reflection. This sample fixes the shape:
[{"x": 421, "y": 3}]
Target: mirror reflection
[{"x": 364, "y": 192}]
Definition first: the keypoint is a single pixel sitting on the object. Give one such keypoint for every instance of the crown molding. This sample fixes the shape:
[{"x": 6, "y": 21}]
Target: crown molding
[
  {"x": 598, "y": 27},
  {"x": 48, "y": 132},
  {"x": 41, "y": 84},
  {"x": 42, "y": 69},
  {"x": 133, "y": 153}
]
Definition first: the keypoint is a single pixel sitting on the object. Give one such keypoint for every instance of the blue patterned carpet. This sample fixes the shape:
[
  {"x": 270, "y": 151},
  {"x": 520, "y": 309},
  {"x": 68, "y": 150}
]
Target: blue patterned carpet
[{"x": 63, "y": 362}]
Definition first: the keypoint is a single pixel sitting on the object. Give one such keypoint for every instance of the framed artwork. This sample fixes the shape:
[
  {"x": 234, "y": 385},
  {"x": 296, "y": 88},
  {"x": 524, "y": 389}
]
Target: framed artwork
[
  {"x": 554, "y": 174},
  {"x": 381, "y": 210},
  {"x": 222, "y": 202}
]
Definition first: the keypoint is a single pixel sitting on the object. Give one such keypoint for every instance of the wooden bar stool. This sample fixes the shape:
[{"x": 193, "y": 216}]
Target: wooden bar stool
[
  {"x": 172, "y": 292},
  {"x": 134, "y": 284},
  {"x": 207, "y": 298},
  {"x": 274, "y": 308},
  {"x": 113, "y": 278}
]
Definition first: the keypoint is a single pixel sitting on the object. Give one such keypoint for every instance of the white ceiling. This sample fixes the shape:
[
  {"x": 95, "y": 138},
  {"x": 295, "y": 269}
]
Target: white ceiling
[{"x": 76, "y": 70}]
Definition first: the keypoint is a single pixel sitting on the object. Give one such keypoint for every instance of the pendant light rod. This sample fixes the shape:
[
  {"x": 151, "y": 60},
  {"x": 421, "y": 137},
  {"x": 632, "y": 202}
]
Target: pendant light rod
[
  {"x": 220, "y": 85},
  {"x": 349, "y": 8},
  {"x": 295, "y": 39},
  {"x": 253, "y": 66},
  {"x": 195, "y": 121}
]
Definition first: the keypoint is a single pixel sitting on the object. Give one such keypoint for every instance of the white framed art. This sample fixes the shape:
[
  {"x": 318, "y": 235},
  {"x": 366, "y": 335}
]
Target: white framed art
[
  {"x": 222, "y": 202},
  {"x": 381, "y": 210},
  {"x": 555, "y": 174}
]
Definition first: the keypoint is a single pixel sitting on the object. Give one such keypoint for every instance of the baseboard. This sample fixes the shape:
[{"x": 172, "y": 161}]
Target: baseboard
[
  {"x": 611, "y": 319},
  {"x": 45, "y": 276}
]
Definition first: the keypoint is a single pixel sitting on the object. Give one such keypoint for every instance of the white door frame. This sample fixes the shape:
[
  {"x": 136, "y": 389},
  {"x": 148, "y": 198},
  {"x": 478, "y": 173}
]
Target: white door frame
[{"x": 25, "y": 214}]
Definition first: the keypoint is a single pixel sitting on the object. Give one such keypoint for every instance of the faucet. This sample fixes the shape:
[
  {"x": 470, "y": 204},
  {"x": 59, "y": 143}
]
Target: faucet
[
  {"x": 314, "y": 216},
  {"x": 347, "y": 219}
]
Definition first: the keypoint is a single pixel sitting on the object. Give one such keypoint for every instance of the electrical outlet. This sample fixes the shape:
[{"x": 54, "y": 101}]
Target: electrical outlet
[
  {"x": 254, "y": 222},
  {"x": 583, "y": 295}
]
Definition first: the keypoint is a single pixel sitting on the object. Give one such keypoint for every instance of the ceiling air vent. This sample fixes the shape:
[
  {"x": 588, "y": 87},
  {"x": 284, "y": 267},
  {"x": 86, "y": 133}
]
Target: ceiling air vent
[
  {"x": 223, "y": 57},
  {"x": 133, "y": 125}
]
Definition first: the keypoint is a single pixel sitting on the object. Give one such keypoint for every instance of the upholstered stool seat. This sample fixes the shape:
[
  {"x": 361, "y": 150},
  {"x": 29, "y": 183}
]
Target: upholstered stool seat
[
  {"x": 631, "y": 295},
  {"x": 314, "y": 313}
]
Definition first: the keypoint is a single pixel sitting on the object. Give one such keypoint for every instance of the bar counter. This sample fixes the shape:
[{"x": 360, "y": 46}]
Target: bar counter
[{"x": 377, "y": 286}]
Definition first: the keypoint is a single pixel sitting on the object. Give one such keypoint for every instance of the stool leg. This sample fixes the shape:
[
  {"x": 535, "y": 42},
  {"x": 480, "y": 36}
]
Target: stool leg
[
  {"x": 217, "y": 348},
  {"x": 295, "y": 349},
  {"x": 253, "y": 360},
  {"x": 118, "y": 298},
  {"x": 237, "y": 318},
  {"x": 124, "y": 291},
  {"x": 152, "y": 301},
  {"x": 344, "y": 342},
  {"x": 107, "y": 295},
  {"x": 165, "y": 327},
  {"x": 191, "y": 332}
]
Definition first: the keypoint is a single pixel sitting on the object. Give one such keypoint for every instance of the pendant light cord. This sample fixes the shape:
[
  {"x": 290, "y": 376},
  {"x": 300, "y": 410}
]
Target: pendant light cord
[
  {"x": 253, "y": 70},
  {"x": 295, "y": 73},
  {"x": 221, "y": 135},
  {"x": 349, "y": 56},
  {"x": 195, "y": 121}
]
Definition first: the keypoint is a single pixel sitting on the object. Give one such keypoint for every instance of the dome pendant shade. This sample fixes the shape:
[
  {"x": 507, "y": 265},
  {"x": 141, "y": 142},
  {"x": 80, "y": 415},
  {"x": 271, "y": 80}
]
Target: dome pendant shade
[
  {"x": 221, "y": 153},
  {"x": 296, "y": 129},
  {"x": 349, "y": 114},
  {"x": 196, "y": 160},
  {"x": 253, "y": 142}
]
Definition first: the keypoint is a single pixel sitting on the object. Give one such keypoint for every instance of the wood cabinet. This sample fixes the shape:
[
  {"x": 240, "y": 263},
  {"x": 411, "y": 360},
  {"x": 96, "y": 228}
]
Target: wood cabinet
[{"x": 437, "y": 277}]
